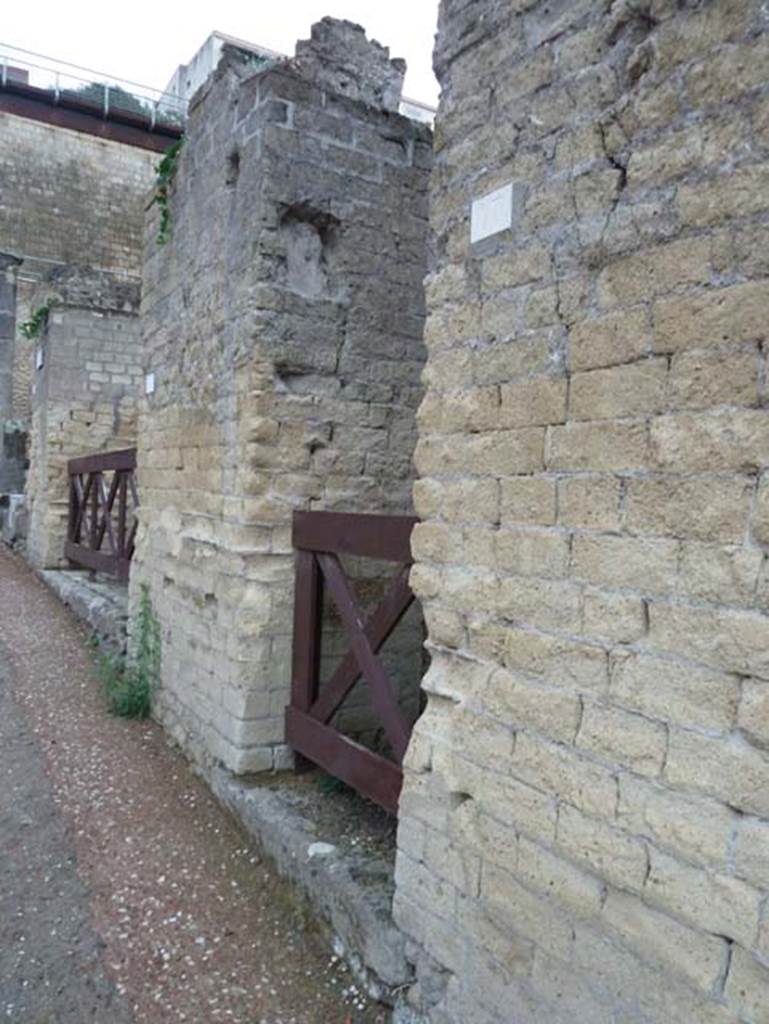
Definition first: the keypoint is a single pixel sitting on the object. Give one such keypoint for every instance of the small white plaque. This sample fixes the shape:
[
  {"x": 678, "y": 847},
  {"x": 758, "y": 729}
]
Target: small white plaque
[
  {"x": 149, "y": 383},
  {"x": 491, "y": 213},
  {"x": 39, "y": 359}
]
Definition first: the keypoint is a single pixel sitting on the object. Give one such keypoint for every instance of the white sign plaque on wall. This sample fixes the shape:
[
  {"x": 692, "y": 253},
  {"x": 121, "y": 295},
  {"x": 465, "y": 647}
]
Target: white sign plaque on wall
[
  {"x": 149, "y": 383},
  {"x": 491, "y": 213}
]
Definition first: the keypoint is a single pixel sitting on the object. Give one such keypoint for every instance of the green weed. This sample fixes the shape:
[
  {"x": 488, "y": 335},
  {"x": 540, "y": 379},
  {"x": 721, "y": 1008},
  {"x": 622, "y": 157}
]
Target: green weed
[{"x": 129, "y": 682}]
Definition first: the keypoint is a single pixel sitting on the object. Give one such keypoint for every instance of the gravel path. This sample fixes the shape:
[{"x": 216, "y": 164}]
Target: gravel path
[
  {"x": 127, "y": 896},
  {"x": 50, "y": 956}
]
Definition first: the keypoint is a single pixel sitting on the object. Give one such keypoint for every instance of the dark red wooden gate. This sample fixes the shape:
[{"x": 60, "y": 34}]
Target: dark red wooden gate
[
  {"x": 320, "y": 537},
  {"x": 102, "y": 504}
]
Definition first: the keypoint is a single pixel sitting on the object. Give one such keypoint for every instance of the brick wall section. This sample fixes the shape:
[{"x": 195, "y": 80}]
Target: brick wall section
[
  {"x": 12, "y": 436},
  {"x": 84, "y": 396},
  {"x": 66, "y": 200},
  {"x": 584, "y": 830},
  {"x": 22, "y": 356},
  {"x": 70, "y": 197},
  {"x": 283, "y": 323}
]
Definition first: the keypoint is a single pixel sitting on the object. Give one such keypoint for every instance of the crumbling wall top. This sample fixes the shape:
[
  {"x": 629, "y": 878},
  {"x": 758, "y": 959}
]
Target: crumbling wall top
[
  {"x": 338, "y": 56},
  {"x": 89, "y": 288}
]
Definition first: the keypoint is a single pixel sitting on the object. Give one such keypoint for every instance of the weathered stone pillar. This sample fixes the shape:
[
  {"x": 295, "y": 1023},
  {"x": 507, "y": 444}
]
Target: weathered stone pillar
[
  {"x": 87, "y": 376},
  {"x": 283, "y": 336},
  {"x": 584, "y": 831},
  {"x": 12, "y": 434}
]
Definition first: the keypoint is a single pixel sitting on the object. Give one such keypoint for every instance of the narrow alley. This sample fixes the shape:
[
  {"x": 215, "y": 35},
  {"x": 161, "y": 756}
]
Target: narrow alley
[{"x": 126, "y": 893}]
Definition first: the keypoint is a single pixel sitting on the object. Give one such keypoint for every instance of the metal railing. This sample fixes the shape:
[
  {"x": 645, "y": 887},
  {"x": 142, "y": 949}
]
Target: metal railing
[
  {"x": 102, "y": 511},
  {"x": 103, "y": 94}
]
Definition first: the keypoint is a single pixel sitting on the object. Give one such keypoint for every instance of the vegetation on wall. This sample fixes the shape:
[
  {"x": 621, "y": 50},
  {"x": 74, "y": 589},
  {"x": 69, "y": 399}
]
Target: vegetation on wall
[
  {"x": 129, "y": 683},
  {"x": 117, "y": 98},
  {"x": 105, "y": 96},
  {"x": 166, "y": 172},
  {"x": 36, "y": 324}
]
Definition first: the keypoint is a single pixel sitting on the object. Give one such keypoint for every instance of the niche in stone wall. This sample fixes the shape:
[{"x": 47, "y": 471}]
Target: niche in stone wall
[{"x": 310, "y": 242}]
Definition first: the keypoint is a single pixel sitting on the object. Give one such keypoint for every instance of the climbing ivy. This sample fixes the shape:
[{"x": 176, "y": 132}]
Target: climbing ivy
[
  {"x": 165, "y": 173},
  {"x": 31, "y": 328}
]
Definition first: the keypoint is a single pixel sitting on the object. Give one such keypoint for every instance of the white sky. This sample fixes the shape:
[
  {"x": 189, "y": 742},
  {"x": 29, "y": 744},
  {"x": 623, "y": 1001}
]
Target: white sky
[{"x": 145, "y": 40}]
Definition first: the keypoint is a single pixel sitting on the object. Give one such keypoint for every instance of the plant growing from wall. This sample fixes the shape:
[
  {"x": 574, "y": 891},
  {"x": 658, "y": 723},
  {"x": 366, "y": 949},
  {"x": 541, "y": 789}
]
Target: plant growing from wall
[
  {"x": 165, "y": 173},
  {"x": 129, "y": 683},
  {"x": 33, "y": 327},
  {"x": 101, "y": 94}
]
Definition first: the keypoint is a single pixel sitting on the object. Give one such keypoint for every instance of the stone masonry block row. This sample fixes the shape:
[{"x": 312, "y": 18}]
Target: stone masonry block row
[{"x": 592, "y": 463}]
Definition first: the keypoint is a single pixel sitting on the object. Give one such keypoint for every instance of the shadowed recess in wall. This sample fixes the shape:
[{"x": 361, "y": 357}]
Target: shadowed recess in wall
[
  {"x": 310, "y": 243},
  {"x": 402, "y": 654}
]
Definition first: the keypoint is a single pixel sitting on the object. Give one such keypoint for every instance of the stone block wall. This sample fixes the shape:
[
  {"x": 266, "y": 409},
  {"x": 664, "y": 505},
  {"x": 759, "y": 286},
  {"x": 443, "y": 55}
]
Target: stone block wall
[
  {"x": 71, "y": 198},
  {"x": 13, "y": 435},
  {"x": 584, "y": 828},
  {"x": 283, "y": 331},
  {"x": 86, "y": 380}
]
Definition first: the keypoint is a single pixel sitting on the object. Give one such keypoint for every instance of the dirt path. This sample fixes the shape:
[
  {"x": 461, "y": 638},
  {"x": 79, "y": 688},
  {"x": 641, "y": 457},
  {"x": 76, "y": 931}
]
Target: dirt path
[
  {"x": 122, "y": 882},
  {"x": 50, "y": 956}
]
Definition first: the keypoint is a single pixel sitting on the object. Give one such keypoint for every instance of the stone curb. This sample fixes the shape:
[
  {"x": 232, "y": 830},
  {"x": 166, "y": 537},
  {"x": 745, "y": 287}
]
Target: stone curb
[{"x": 350, "y": 893}]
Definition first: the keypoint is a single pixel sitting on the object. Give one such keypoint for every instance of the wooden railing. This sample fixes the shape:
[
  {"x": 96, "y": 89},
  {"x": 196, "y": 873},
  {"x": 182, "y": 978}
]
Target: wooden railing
[
  {"x": 102, "y": 503},
  {"x": 320, "y": 537}
]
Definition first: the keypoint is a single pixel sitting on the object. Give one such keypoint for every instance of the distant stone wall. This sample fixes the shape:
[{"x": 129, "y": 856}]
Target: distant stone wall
[
  {"x": 283, "y": 325},
  {"x": 67, "y": 200},
  {"x": 84, "y": 395},
  {"x": 13, "y": 436},
  {"x": 584, "y": 829},
  {"x": 22, "y": 360},
  {"x": 72, "y": 198}
]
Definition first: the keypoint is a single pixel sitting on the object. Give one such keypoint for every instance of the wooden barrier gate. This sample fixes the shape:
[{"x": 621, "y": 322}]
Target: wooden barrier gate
[
  {"x": 320, "y": 537},
  {"x": 99, "y": 513}
]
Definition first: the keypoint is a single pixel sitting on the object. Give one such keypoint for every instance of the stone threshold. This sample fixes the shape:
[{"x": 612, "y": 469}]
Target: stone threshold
[
  {"x": 347, "y": 883},
  {"x": 100, "y": 602}
]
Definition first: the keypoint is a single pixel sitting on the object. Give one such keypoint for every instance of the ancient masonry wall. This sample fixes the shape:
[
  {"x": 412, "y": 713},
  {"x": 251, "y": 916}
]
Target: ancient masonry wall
[
  {"x": 67, "y": 199},
  {"x": 584, "y": 829},
  {"x": 87, "y": 376},
  {"x": 13, "y": 435},
  {"x": 283, "y": 335}
]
